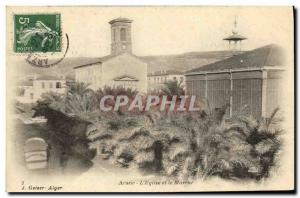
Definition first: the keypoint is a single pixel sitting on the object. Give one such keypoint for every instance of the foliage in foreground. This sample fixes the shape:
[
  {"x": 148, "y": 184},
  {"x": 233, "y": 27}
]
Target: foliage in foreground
[
  {"x": 184, "y": 145},
  {"x": 192, "y": 147}
]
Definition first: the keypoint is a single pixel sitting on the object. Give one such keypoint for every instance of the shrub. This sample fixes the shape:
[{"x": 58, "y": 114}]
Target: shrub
[{"x": 186, "y": 145}]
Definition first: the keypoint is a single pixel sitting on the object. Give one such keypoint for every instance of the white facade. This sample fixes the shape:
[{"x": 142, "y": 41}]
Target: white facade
[
  {"x": 40, "y": 86},
  {"x": 156, "y": 80},
  {"x": 90, "y": 74},
  {"x": 123, "y": 70}
]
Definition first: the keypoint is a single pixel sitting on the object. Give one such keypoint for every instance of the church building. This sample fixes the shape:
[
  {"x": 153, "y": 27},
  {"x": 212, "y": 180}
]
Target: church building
[{"x": 120, "y": 68}]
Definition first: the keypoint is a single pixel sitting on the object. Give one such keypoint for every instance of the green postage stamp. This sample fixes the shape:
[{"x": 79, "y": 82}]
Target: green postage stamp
[{"x": 37, "y": 33}]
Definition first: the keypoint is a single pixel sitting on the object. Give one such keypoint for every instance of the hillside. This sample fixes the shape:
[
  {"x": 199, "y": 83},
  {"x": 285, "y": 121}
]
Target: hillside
[
  {"x": 180, "y": 62},
  {"x": 184, "y": 62}
]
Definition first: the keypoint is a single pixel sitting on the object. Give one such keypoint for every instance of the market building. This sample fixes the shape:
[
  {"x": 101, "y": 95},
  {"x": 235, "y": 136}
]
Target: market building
[{"x": 249, "y": 82}]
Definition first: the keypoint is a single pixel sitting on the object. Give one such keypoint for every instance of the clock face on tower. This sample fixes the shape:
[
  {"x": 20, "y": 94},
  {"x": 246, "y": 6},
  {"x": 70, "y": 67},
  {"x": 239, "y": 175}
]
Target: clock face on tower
[{"x": 123, "y": 47}]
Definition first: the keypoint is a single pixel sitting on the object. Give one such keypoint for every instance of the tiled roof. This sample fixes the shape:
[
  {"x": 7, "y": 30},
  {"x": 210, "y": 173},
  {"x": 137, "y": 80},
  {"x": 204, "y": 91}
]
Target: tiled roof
[
  {"x": 101, "y": 60},
  {"x": 269, "y": 55},
  {"x": 25, "y": 83},
  {"x": 44, "y": 77},
  {"x": 93, "y": 61}
]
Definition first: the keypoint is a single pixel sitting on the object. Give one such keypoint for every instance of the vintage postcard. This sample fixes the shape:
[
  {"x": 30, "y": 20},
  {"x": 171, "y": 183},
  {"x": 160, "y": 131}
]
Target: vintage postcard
[{"x": 150, "y": 99}]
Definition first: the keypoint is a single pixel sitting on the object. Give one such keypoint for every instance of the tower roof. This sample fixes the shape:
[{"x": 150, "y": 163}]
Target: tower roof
[
  {"x": 235, "y": 35},
  {"x": 123, "y": 20}
]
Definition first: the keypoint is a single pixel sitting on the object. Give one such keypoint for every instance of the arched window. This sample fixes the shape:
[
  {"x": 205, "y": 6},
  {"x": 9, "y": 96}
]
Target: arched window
[{"x": 123, "y": 34}]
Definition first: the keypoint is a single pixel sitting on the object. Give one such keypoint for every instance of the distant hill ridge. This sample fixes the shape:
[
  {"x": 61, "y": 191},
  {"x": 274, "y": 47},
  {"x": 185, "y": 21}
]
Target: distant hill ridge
[
  {"x": 184, "y": 62},
  {"x": 179, "y": 62}
]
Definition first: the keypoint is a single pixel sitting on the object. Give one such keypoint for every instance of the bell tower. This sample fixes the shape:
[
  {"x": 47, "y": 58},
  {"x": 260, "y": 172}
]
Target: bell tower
[{"x": 120, "y": 36}]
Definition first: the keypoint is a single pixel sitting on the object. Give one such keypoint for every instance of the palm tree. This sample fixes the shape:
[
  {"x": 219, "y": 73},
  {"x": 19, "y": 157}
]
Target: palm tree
[
  {"x": 173, "y": 88},
  {"x": 54, "y": 100},
  {"x": 79, "y": 88},
  {"x": 84, "y": 106},
  {"x": 243, "y": 147},
  {"x": 119, "y": 90}
]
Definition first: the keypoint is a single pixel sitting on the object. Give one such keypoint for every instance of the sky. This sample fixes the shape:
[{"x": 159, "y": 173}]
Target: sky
[{"x": 172, "y": 30}]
